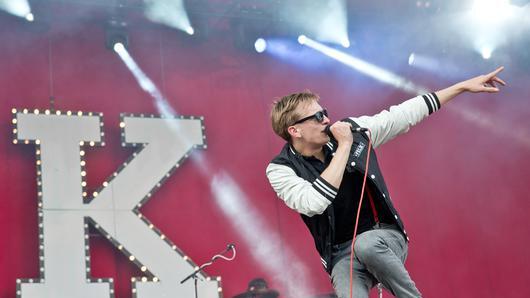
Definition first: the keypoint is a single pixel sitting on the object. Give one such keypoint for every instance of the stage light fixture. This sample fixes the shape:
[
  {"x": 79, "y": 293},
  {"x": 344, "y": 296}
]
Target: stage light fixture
[
  {"x": 190, "y": 30},
  {"x": 411, "y": 58},
  {"x": 118, "y": 47},
  {"x": 324, "y": 21},
  {"x": 30, "y": 17},
  {"x": 302, "y": 39},
  {"x": 116, "y": 36},
  {"x": 260, "y": 45},
  {"x": 246, "y": 32},
  {"x": 486, "y": 52},
  {"x": 19, "y": 8}
]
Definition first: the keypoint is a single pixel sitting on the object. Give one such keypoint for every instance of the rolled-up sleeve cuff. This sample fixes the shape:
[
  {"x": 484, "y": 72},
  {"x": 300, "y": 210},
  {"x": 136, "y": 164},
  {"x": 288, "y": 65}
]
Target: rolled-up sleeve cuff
[
  {"x": 433, "y": 104},
  {"x": 325, "y": 189}
]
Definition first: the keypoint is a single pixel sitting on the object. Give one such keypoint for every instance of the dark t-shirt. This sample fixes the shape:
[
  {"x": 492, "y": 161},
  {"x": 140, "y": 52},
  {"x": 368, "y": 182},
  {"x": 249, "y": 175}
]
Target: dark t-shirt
[{"x": 346, "y": 203}]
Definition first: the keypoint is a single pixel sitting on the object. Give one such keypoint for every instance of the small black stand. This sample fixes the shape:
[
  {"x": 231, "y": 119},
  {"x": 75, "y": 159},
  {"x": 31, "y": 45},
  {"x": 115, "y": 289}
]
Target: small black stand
[
  {"x": 194, "y": 274},
  {"x": 195, "y": 277}
]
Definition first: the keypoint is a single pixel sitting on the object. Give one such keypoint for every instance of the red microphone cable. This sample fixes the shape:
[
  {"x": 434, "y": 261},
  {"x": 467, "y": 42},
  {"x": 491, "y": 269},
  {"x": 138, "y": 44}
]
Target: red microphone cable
[{"x": 352, "y": 255}]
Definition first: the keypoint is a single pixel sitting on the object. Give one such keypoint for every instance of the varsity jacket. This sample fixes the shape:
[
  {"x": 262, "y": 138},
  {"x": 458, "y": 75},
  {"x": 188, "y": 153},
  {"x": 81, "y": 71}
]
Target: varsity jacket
[{"x": 302, "y": 188}]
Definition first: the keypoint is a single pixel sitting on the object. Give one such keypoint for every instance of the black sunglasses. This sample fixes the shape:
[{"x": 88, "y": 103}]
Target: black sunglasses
[{"x": 319, "y": 116}]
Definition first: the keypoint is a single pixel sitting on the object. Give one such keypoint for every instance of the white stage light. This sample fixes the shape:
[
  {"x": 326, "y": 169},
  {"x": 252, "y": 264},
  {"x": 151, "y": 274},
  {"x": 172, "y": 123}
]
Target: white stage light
[
  {"x": 345, "y": 43},
  {"x": 119, "y": 47},
  {"x": 260, "y": 45},
  {"x": 325, "y": 21},
  {"x": 486, "y": 52},
  {"x": 30, "y": 17},
  {"x": 171, "y": 13},
  {"x": 433, "y": 64},
  {"x": 491, "y": 11},
  {"x": 302, "y": 39},
  {"x": 19, "y": 8},
  {"x": 489, "y": 21},
  {"x": 411, "y": 58}
]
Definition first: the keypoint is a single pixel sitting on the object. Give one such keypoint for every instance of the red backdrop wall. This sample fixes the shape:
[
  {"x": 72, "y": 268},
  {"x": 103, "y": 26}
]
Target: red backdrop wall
[{"x": 461, "y": 188}]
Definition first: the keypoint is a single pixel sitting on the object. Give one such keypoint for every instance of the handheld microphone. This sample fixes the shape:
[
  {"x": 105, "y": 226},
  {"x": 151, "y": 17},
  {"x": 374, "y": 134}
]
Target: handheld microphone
[{"x": 327, "y": 130}]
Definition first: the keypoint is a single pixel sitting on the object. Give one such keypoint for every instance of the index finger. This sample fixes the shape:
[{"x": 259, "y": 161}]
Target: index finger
[{"x": 495, "y": 72}]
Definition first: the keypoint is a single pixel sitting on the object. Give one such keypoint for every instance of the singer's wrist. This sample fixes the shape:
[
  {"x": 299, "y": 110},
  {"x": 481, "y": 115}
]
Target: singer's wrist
[
  {"x": 447, "y": 94},
  {"x": 345, "y": 145}
]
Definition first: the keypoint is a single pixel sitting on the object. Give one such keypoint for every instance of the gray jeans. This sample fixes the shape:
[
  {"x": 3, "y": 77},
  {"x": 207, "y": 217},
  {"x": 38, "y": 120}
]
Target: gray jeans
[{"x": 379, "y": 257}]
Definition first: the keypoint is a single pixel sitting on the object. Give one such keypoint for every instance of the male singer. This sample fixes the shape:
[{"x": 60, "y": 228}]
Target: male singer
[{"x": 321, "y": 178}]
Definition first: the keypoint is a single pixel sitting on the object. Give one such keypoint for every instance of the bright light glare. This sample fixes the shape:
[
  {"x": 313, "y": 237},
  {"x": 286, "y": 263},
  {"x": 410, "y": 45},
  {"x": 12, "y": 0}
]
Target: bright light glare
[
  {"x": 489, "y": 23},
  {"x": 30, "y": 17},
  {"x": 366, "y": 68},
  {"x": 491, "y": 11},
  {"x": 119, "y": 47},
  {"x": 302, "y": 39},
  {"x": 19, "y": 8},
  {"x": 260, "y": 45},
  {"x": 171, "y": 13},
  {"x": 345, "y": 43},
  {"x": 325, "y": 21},
  {"x": 411, "y": 58},
  {"x": 486, "y": 52},
  {"x": 432, "y": 64}
]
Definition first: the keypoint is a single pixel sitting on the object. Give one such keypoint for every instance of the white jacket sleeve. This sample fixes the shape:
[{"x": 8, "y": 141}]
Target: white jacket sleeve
[
  {"x": 390, "y": 123},
  {"x": 308, "y": 198}
]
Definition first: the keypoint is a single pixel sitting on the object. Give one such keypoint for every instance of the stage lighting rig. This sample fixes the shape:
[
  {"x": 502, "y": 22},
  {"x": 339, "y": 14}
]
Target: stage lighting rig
[
  {"x": 260, "y": 45},
  {"x": 116, "y": 34}
]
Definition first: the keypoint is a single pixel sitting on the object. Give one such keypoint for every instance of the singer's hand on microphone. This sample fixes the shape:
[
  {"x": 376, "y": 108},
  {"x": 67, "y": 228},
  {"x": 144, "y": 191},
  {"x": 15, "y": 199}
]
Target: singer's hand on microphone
[{"x": 342, "y": 133}]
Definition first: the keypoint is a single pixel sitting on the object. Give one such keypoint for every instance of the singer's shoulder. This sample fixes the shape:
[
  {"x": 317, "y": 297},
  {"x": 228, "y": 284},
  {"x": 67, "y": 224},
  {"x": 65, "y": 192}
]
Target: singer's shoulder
[{"x": 284, "y": 157}]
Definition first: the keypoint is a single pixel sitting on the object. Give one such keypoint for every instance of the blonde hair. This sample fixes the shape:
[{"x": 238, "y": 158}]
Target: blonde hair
[{"x": 283, "y": 112}]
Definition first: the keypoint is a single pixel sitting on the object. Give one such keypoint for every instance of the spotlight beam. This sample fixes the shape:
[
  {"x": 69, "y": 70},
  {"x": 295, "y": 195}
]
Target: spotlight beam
[
  {"x": 266, "y": 247},
  {"x": 171, "y": 13},
  {"x": 144, "y": 81},
  {"x": 325, "y": 21},
  {"x": 364, "y": 67},
  {"x": 235, "y": 204},
  {"x": 19, "y": 8}
]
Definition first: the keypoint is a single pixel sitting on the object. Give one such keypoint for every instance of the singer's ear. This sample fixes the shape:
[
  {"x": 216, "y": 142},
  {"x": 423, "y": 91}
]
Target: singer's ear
[{"x": 294, "y": 132}]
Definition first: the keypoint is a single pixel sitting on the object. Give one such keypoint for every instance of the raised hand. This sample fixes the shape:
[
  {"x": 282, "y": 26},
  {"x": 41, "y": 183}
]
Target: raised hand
[{"x": 484, "y": 83}]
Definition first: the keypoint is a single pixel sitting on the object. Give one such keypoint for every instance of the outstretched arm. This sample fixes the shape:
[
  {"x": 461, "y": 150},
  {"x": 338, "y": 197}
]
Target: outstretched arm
[
  {"x": 483, "y": 83},
  {"x": 387, "y": 124}
]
